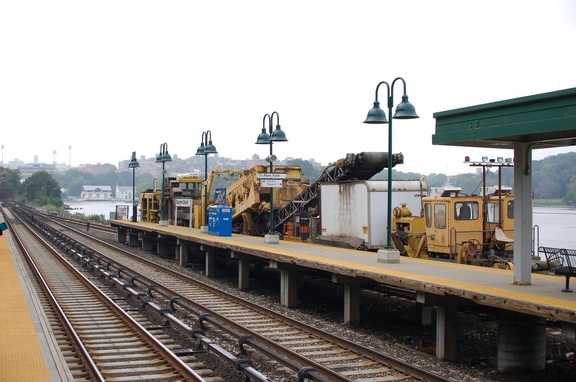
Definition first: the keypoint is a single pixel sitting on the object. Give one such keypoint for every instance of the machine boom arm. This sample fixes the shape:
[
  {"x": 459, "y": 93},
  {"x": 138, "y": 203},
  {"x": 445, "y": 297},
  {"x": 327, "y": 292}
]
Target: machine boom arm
[{"x": 362, "y": 166}]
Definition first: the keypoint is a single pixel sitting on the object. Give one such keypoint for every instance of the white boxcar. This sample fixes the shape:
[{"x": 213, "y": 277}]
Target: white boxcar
[{"x": 358, "y": 209}]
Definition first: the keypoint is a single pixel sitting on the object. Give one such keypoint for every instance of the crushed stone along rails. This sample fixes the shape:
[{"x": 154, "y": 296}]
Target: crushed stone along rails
[
  {"x": 103, "y": 340},
  {"x": 310, "y": 352},
  {"x": 389, "y": 323}
]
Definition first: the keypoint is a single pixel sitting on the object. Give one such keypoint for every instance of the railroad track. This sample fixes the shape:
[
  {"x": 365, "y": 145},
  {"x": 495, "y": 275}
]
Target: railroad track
[
  {"x": 311, "y": 352},
  {"x": 83, "y": 224},
  {"x": 99, "y": 338}
]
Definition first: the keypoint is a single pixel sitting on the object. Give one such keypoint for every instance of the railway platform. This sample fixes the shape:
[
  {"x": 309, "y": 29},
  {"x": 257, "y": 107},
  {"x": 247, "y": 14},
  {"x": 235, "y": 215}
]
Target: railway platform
[
  {"x": 27, "y": 350},
  {"x": 438, "y": 286}
]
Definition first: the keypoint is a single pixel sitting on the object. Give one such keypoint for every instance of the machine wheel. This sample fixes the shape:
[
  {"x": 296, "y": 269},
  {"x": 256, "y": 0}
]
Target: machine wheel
[
  {"x": 469, "y": 252},
  {"x": 476, "y": 243}
]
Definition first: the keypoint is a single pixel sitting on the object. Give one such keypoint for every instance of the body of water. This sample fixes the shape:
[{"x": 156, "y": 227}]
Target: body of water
[
  {"x": 105, "y": 208},
  {"x": 556, "y": 225}
]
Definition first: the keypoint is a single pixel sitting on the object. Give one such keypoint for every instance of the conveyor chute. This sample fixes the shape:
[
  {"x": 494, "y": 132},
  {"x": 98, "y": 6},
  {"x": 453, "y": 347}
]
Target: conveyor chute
[{"x": 362, "y": 166}]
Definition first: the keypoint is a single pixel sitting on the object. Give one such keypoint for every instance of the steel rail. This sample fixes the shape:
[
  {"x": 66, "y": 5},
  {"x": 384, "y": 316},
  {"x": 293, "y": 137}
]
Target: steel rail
[
  {"x": 79, "y": 345},
  {"x": 264, "y": 344},
  {"x": 166, "y": 353}
]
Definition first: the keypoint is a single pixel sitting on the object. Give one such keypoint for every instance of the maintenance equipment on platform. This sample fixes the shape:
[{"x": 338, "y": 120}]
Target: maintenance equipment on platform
[
  {"x": 249, "y": 194},
  {"x": 179, "y": 194},
  {"x": 470, "y": 229}
]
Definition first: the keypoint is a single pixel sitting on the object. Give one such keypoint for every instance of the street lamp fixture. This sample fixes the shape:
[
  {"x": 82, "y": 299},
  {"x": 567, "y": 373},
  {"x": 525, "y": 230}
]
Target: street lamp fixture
[
  {"x": 267, "y": 138},
  {"x": 206, "y": 148},
  {"x": 134, "y": 165},
  {"x": 404, "y": 110},
  {"x": 163, "y": 157}
]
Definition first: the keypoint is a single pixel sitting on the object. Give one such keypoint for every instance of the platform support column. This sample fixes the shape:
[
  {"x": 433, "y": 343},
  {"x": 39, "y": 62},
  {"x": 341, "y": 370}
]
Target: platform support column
[
  {"x": 425, "y": 303},
  {"x": 569, "y": 330},
  {"x": 147, "y": 243},
  {"x": 161, "y": 246},
  {"x": 133, "y": 239},
  {"x": 288, "y": 288},
  {"x": 183, "y": 253},
  {"x": 121, "y": 235},
  {"x": 210, "y": 262},
  {"x": 351, "y": 298},
  {"x": 424, "y": 314},
  {"x": 522, "y": 214},
  {"x": 288, "y": 284},
  {"x": 521, "y": 342},
  {"x": 446, "y": 329},
  {"x": 243, "y": 270},
  {"x": 177, "y": 250}
]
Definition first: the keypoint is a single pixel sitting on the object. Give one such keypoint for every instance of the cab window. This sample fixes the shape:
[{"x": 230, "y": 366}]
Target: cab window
[
  {"x": 428, "y": 214},
  {"x": 493, "y": 212},
  {"x": 466, "y": 210},
  {"x": 440, "y": 216},
  {"x": 510, "y": 209}
]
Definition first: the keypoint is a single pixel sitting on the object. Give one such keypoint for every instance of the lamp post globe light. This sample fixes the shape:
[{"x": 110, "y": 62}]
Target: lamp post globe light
[
  {"x": 404, "y": 110},
  {"x": 163, "y": 157},
  {"x": 206, "y": 147},
  {"x": 134, "y": 165},
  {"x": 268, "y": 138}
]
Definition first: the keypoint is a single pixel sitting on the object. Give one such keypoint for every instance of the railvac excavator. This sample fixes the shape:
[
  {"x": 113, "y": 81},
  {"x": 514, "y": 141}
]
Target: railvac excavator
[{"x": 250, "y": 198}]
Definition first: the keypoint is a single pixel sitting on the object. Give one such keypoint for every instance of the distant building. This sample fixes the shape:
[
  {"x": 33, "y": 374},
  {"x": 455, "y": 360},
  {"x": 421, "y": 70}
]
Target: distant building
[
  {"x": 124, "y": 192},
  {"x": 29, "y": 169},
  {"x": 14, "y": 164},
  {"x": 96, "y": 193}
]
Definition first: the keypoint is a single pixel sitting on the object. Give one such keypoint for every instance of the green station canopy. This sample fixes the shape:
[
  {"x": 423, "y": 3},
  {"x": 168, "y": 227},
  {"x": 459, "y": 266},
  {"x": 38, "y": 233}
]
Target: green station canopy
[{"x": 546, "y": 120}]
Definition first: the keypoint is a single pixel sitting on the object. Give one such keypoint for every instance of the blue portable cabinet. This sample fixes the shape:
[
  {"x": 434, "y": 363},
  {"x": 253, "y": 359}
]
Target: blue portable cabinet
[
  {"x": 220, "y": 221},
  {"x": 212, "y": 220}
]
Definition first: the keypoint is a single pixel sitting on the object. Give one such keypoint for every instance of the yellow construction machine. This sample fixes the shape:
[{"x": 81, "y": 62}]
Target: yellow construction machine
[
  {"x": 249, "y": 196},
  {"x": 470, "y": 229},
  {"x": 179, "y": 195},
  {"x": 208, "y": 197},
  {"x": 187, "y": 196}
]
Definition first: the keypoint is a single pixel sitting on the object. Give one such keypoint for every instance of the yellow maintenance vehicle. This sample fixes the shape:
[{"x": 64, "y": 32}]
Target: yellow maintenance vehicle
[
  {"x": 296, "y": 201},
  {"x": 294, "y": 198},
  {"x": 187, "y": 196},
  {"x": 249, "y": 196},
  {"x": 180, "y": 192},
  {"x": 207, "y": 197},
  {"x": 470, "y": 229}
]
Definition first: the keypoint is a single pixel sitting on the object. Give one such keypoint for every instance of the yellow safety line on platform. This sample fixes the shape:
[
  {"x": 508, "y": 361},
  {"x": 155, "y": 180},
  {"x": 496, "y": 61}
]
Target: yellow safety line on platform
[
  {"x": 21, "y": 357},
  {"x": 471, "y": 287},
  {"x": 442, "y": 282}
]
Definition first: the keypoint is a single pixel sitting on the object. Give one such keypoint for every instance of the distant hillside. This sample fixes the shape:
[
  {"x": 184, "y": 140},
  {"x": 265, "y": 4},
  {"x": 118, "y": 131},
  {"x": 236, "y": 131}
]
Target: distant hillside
[{"x": 553, "y": 177}]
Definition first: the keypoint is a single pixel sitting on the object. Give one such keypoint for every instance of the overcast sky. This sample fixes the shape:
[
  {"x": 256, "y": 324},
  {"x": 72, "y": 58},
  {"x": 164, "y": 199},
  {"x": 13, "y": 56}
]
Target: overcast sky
[{"x": 111, "y": 77}]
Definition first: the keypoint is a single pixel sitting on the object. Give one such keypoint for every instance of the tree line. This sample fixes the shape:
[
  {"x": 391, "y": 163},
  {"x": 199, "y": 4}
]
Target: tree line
[{"x": 553, "y": 177}]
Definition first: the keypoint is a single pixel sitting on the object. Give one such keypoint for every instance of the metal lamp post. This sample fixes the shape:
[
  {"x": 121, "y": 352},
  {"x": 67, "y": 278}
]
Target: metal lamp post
[
  {"x": 134, "y": 165},
  {"x": 268, "y": 138},
  {"x": 404, "y": 110},
  {"x": 163, "y": 157},
  {"x": 206, "y": 148}
]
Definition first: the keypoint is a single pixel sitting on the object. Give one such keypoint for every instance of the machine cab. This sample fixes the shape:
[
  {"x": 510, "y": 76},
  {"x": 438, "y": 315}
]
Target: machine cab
[{"x": 452, "y": 220}]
